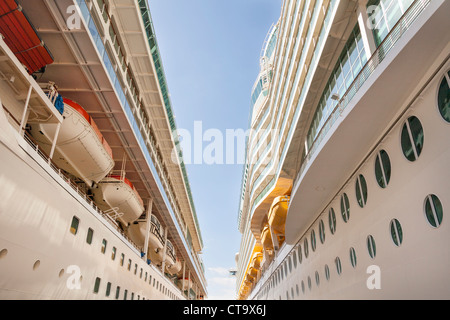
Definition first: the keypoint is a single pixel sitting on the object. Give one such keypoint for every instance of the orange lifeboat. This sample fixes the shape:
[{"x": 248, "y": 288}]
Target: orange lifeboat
[
  {"x": 80, "y": 149},
  {"x": 277, "y": 217}
]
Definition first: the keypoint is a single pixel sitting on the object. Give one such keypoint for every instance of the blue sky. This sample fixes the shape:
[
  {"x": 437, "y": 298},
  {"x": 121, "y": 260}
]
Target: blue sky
[{"x": 210, "y": 50}]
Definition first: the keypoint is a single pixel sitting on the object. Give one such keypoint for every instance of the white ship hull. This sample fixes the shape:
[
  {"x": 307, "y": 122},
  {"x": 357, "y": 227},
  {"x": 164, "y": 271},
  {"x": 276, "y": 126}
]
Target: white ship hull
[{"x": 40, "y": 258}]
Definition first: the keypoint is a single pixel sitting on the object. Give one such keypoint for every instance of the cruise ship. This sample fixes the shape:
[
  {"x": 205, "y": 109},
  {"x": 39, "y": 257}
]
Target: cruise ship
[
  {"x": 345, "y": 188},
  {"x": 96, "y": 202}
]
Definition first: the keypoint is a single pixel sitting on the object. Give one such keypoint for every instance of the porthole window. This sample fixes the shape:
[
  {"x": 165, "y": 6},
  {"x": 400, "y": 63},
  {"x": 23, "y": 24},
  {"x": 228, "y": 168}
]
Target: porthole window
[
  {"x": 382, "y": 169},
  {"x": 396, "y": 232},
  {"x": 361, "y": 191},
  {"x": 332, "y": 220},
  {"x": 345, "y": 207},
  {"x": 113, "y": 253},
  {"x": 412, "y": 138},
  {"x": 74, "y": 225},
  {"x": 108, "y": 289},
  {"x": 444, "y": 97},
  {"x": 313, "y": 240},
  {"x": 353, "y": 257},
  {"x": 305, "y": 247},
  {"x": 433, "y": 210},
  {"x": 303, "y": 286},
  {"x": 337, "y": 261},
  {"x": 371, "y": 246},
  {"x": 317, "y": 278},
  {"x": 327, "y": 272},
  {"x": 321, "y": 231},
  {"x": 309, "y": 282},
  {"x": 294, "y": 258},
  {"x": 299, "y": 252}
]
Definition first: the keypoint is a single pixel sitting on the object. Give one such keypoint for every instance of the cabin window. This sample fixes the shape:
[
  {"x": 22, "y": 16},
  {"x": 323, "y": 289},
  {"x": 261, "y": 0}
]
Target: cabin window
[
  {"x": 313, "y": 240},
  {"x": 345, "y": 207},
  {"x": 433, "y": 210},
  {"x": 332, "y": 220},
  {"x": 361, "y": 191},
  {"x": 74, "y": 225},
  {"x": 104, "y": 243},
  {"x": 294, "y": 258},
  {"x": 327, "y": 272},
  {"x": 89, "y": 236},
  {"x": 122, "y": 259},
  {"x": 396, "y": 232},
  {"x": 97, "y": 285},
  {"x": 108, "y": 289},
  {"x": 337, "y": 261},
  {"x": 322, "y": 231},
  {"x": 113, "y": 254},
  {"x": 129, "y": 264},
  {"x": 125, "y": 294},
  {"x": 317, "y": 278},
  {"x": 305, "y": 247},
  {"x": 353, "y": 257},
  {"x": 117, "y": 292},
  {"x": 309, "y": 282},
  {"x": 412, "y": 138},
  {"x": 371, "y": 247},
  {"x": 444, "y": 97},
  {"x": 382, "y": 169}
]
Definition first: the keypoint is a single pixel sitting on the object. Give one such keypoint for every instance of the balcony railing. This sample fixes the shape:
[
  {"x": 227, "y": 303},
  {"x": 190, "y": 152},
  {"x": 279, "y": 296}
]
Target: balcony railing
[{"x": 377, "y": 57}]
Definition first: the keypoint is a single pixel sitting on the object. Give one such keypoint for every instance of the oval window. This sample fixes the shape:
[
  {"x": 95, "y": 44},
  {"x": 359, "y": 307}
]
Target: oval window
[
  {"x": 444, "y": 98},
  {"x": 412, "y": 138},
  {"x": 382, "y": 169},
  {"x": 433, "y": 210}
]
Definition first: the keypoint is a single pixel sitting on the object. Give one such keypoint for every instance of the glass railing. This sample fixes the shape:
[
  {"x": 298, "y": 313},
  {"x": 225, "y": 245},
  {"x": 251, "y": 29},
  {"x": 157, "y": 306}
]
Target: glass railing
[{"x": 377, "y": 57}]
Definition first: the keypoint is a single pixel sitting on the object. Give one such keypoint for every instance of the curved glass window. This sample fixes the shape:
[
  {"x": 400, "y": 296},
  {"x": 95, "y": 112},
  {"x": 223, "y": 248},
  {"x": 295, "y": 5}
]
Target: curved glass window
[
  {"x": 337, "y": 261},
  {"x": 382, "y": 169},
  {"x": 412, "y": 138},
  {"x": 313, "y": 240},
  {"x": 305, "y": 247},
  {"x": 345, "y": 207},
  {"x": 353, "y": 257},
  {"x": 444, "y": 98},
  {"x": 433, "y": 210},
  {"x": 361, "y": 191},
  {"x": 332, "y": 220},
  {"x": 396, "y": 232},
  {"x": 322, "y": 231},
  {"x": 371, "y": 246}
]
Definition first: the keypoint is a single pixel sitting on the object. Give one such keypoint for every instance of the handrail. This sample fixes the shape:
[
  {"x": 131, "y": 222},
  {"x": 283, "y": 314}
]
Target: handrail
[{"x": 377, "y": 57}]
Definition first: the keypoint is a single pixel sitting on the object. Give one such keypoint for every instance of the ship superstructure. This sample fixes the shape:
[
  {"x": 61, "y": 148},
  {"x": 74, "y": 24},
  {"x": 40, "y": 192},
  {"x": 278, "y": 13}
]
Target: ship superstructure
[
  {"x": 95, "y": 204},
  {"x": 344, "y": 190}
]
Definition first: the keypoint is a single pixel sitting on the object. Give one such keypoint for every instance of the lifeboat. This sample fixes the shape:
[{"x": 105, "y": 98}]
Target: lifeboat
[
  {"x": 117, "y": 195},
  {"x": 256, "y": 260},
  {"x": 80, "y": 149},
  {"x": 170, "y": 254},
  {"x": 277, "y": 216},
  {"x": 174, "y": 268},
  {"x": 266, "y": 239},
  {"x": 155, "y": 241}
]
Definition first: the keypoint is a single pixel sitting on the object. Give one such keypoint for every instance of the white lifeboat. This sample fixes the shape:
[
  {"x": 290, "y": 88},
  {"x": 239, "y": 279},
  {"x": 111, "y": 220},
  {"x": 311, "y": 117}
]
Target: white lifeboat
[
  {"x": 155, "y": 241},
  {"x": 174, "y": 268},
  {"x": 80, "y": 148},
  {"x": 116, "y": 195},
  {"x": 170, "y": 254}
]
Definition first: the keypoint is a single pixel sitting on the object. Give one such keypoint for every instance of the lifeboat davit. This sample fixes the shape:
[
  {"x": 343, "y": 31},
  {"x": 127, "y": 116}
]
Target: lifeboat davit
[
  {"x": 117, "y": 195},
  {"x": 137, "y": 232},
  {"x": 80, "y": 148}
]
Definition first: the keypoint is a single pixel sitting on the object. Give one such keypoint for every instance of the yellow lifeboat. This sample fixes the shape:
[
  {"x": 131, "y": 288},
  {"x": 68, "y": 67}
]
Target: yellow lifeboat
[
  {"x": 80, "y": 148},
  {"x": 277, "y": 217},
  {"x": 117, "y": 195},
  {"x": 256, "y": 260},
  {"x": 266, "y": 239}
]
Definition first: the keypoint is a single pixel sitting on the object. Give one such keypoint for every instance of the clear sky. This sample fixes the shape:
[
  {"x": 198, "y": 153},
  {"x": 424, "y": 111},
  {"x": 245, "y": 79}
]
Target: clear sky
[{"x": 210, "y": 51}]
